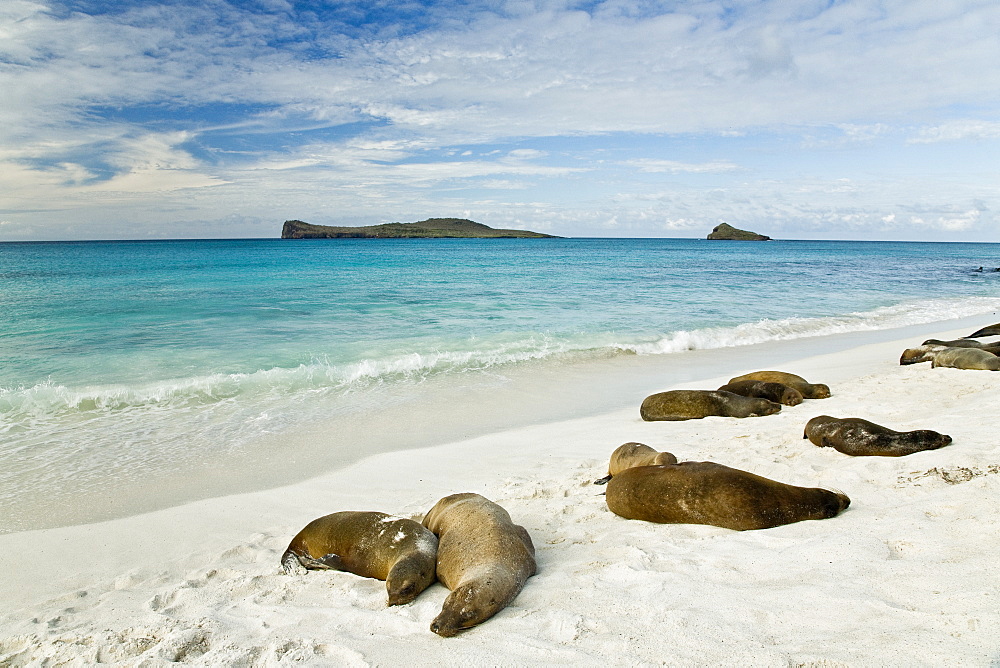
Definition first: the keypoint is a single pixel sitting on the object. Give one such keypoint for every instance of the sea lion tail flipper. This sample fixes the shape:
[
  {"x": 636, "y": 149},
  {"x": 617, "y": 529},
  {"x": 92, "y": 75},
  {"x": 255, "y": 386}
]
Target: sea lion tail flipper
[
  {"x": 328, "y": 562},
  {"x": 331, "y": 562},
  {"x": 291, "y": 563},
  {"x": 604, "y": 480}
]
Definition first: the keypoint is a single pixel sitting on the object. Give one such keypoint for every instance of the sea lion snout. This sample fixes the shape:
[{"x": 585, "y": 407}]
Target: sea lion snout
[
  {"x": 843, "y": 503},
  {"x": 460, "y": 612}
]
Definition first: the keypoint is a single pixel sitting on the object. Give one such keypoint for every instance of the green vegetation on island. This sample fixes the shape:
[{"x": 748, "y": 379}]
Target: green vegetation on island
[
  {"x": 727, "y": 232},
  {"x": 432, "y": 228}
]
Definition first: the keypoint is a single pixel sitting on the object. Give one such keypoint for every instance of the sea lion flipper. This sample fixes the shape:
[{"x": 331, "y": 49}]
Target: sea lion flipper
[
  {"x": 291, "y": 563},
  {"x": 604, "y": 480},
  {"x": 331, "y": 562},
  {"x": 328, "y": 562}
]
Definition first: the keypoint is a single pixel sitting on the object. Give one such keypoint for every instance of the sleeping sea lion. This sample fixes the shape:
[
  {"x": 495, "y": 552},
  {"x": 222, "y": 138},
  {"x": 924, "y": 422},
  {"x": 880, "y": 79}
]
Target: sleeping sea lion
[
  {"x": 483, "y": 558},
  {"x": 776, "y": 392},
  {"x": 710, "y": 493},
  {"x": 965, "y": 358},
  {"x": 370, "y": 544},
  {"x": 808, "y": 390},
  {"x": 633, "y": 454},
  {"x": 963, "y": 343},
  {"x": 924, "y": 353},
  {"x": 694, "y": 404},
  {"x": 919, "y": 354},
  {"x": 989, "y": 330},
  {"x": 859, "y": 437}
]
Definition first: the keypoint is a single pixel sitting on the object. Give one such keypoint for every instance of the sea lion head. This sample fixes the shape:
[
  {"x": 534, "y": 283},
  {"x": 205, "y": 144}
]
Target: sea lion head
[
  {"x": 410, "y": 576},
  {"x": 792, "y": 397},
  {"x": 463, "y": 609},
  {"x": 762, "y": 407},
  {"x": 817, "y": 422},
  {"x": 836, "y": 503},
  {"x": 820, "y": 391},
  {"x": 924, "y": 353},
  {"x": 632, "y": 454},
  {"x": 931, "y": 439}
]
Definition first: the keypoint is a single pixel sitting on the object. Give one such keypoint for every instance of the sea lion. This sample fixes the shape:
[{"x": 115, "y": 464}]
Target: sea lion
[
  {"x": 710, "y": 493},
  {"x": 370, "y": 544},
  {"x": 633, "y": 454},
  {"x": 483, "y": 558},
  {"x": 965, "y": 358},
  {"x": 808, "y": 390},
  {"x": 859, "y": 437},
  {"x": 964, "y": 343},
  {"x": 776, "y": 392},
  {"x": 989, "y": 330},
  {"x": 918, "y": 355},
  {"x": 694, "y": 404}
]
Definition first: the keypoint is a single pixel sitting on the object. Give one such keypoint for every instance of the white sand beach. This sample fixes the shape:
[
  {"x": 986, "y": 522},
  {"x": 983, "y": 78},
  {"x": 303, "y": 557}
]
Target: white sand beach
[{"x": 906, "y": 576}]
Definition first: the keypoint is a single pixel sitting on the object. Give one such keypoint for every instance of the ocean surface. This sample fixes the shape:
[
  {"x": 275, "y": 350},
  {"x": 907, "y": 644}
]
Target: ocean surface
[{"x": 138, "y": 374}]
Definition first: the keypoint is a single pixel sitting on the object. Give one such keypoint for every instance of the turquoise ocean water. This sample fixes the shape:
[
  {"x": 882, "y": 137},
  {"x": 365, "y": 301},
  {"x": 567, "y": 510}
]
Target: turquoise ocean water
[{"x": 130, "y": 369}]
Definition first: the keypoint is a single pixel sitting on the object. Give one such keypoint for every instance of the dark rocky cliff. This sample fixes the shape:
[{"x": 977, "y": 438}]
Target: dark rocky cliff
[
  {"x": 727, "y": 232},
  {"x": 432, "y": 228}
]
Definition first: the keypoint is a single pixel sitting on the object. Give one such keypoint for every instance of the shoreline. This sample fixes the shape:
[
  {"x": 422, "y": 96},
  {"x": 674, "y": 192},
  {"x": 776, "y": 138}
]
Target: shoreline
[
  {"x": 443, "y": 409},
  {"x": 903, "y": 576}
]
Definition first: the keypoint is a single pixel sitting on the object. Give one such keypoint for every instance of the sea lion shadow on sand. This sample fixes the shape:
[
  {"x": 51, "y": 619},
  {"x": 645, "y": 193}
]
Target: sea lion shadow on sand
[{"x": 710, "y": 493}]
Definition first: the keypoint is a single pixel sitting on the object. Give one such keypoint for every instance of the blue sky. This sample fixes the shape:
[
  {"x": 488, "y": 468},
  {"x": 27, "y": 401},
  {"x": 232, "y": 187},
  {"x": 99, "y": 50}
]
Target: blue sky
[{"x": 628, "y": 118}]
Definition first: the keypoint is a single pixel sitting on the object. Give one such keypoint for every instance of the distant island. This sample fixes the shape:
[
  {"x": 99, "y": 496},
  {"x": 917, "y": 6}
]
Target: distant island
[
  {"x": 727, "y": 232},
  {"x": 432, "y": 228}
]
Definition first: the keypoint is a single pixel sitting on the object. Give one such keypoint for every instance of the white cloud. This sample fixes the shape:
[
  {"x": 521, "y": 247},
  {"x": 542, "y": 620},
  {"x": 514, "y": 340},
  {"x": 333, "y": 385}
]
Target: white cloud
[
  {"x": 957, "y": 130},
  {"x": 674, "y": 167},
  {"x": 703, "y": 71}
]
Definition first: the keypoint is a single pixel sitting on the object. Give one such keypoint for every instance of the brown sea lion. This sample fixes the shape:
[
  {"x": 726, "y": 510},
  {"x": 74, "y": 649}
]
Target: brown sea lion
[
  {"x": 633, "y": 454},
  {"x": 370, "y": 544},
  {"x": 990, "y": 330},
  {"x": 776, "y": 392},
  {"x": 483, "y": 558},
  {"x": 924, "y": 353},
  {"x": 965, "y": 358},
  {"x": 808, "y": 390},
  {"x": 710, "y": 493},
  {"x": 859, "y": 437},
  {"x": 694, "y": 404},
  {"x": 964, "y": 343}
]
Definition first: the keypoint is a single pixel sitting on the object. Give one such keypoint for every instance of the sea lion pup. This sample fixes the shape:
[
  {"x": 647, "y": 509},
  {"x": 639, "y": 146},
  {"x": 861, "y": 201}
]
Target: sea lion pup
[
  {"x": 776, "y": 392},
  {"x": 710, "y": 493},
  {"x": 633, "y": 454},
  {"x": 859, "y": 437},
  {"x": 808, "y": 390},
  {"x": 989, "y": 330},
  {"x": 370, "y": 544},
  {"x": 694, "y": 404},
  {"x": 483, "y": 558},
  {"x": 965, "y": 358}
]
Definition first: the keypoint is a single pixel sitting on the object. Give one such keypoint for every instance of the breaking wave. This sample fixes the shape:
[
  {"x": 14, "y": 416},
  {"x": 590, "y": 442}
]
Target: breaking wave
[{"x": 21, "y": 407}]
